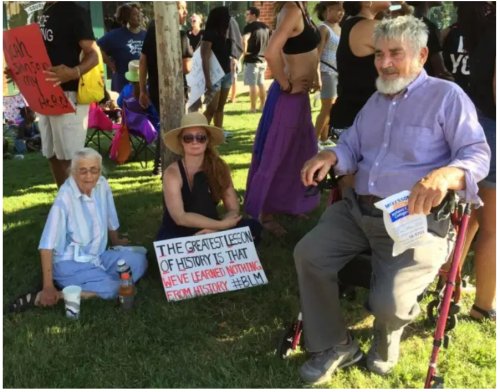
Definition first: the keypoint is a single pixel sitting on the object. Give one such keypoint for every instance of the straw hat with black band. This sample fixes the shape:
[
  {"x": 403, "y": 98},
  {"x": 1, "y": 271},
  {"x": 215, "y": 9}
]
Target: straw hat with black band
[{"x": 189, "y": 120}]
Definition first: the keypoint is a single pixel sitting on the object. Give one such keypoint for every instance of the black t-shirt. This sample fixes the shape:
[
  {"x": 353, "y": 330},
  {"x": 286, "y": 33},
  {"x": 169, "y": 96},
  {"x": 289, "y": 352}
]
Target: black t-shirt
[
  {"x": 64, "y": 25},
  {"x": 149, "y": 50},
  {"x": 194, "y": 40},
  {"x": 221, "y": 46},
  {"x": 456, "y": 58},
  {"x": 257, "y": 42}
]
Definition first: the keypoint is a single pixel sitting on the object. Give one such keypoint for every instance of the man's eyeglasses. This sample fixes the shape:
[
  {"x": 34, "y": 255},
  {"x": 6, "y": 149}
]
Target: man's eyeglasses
[{"x": 190, "y": 138}]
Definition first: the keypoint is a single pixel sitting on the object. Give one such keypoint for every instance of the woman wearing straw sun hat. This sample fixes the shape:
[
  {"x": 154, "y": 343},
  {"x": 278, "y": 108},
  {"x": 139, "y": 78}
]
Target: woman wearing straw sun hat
[{"x": 196, "y": 183}]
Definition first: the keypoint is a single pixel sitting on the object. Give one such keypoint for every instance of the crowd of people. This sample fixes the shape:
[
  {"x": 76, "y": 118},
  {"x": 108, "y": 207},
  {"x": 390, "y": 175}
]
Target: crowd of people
[{"x": 399, "y": 119}]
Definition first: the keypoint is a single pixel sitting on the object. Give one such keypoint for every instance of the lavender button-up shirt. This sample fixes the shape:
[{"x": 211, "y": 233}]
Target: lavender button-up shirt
[{"x": 394, "y": 142}]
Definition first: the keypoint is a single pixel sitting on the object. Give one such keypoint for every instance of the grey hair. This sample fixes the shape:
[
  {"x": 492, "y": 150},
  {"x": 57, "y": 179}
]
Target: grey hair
[
  {"x": 403, "y": 28},
  {"x": 85, "y": 153}
]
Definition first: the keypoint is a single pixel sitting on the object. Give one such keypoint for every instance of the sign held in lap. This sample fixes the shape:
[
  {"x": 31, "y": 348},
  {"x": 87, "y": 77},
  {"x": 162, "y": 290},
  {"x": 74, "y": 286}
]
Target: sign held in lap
[{"x": 209, "y": 264}]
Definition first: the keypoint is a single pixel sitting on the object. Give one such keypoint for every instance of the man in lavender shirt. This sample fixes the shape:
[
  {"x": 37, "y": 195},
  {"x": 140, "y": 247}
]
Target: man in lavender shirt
[{"x": 415, "y": 133}]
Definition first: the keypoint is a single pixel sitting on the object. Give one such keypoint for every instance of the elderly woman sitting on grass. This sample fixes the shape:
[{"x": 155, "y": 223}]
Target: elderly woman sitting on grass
[{"x": 75, "y": 237}]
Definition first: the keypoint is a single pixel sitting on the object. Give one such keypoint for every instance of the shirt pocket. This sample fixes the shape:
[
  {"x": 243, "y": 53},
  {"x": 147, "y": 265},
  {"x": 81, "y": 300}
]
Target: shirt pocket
[{"x": 417, "y": 142}]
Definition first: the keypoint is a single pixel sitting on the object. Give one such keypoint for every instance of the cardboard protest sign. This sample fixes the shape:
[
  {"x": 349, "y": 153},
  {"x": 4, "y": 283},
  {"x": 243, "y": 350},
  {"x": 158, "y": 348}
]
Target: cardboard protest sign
[
  {"x": 196, "y": 79},
  {"x": 26, "y": 58},
  {"x": 208, "y": 264}
]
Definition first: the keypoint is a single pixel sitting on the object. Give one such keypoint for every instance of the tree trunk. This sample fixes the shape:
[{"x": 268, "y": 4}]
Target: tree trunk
[{"x": 170, "y": 80}]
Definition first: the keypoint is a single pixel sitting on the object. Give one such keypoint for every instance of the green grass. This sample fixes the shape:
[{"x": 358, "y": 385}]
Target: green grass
[{"x": 220, "y": 341}]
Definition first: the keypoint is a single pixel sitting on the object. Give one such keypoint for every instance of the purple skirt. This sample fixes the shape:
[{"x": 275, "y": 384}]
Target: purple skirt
[{"x": 285, "y": 140}]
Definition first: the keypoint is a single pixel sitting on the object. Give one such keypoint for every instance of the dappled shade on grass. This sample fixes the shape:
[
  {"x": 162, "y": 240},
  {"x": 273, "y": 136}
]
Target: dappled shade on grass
[{"x": 219, "y": 341}]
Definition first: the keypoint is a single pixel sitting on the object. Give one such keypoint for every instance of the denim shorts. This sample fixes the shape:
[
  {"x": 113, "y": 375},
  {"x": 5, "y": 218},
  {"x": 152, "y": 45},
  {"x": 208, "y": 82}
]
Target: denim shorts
[
  {"x": 328, "y": 85},
  {"x": 225, "y": 83},
  {"x": 489, "y": 127},
  {"x": 254, "y": 74}
]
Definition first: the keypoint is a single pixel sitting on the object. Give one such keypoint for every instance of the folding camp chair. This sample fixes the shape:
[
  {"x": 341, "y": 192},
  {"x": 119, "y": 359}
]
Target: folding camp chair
[
  {"x": 99, "y": 125},
  {"x": 141, "y": 147},
  {"x": 141, "y": 130}
]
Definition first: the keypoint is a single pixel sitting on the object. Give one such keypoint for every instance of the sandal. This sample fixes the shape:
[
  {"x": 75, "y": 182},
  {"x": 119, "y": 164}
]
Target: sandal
[
  {"x": 485, "y": 314},
  {"x": 23, "y": 302}
]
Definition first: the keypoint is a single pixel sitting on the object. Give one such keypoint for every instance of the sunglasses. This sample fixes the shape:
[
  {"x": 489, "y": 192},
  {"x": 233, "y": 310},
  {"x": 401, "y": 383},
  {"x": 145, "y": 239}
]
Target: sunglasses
[{"x": 190, "y": 138}]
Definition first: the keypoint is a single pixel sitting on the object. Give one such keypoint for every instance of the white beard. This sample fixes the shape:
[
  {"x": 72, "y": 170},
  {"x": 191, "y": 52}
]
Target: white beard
[{"x": 395, "y": 86}]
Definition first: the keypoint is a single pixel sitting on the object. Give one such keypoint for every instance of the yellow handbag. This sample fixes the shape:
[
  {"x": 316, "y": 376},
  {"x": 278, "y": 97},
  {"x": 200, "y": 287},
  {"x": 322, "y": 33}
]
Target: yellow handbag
[{"x": 91, "y": 84}]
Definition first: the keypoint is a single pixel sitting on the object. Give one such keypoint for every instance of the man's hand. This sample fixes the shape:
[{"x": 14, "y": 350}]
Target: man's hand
[
  {"x": 235, "y": 65},
  {"x": 316, "y": 168},
  {"x": 208, "y": 86},
  {"x": 49, "y": 296},
  {"x": 112, "y": 66},
  {"x": 209, "y": 93},
  {"x": 144, "y": 100},
  {"x": 428, "y": 192},
  {"x": 61, "y": 74},
  {"x": 316, "y": 86}
]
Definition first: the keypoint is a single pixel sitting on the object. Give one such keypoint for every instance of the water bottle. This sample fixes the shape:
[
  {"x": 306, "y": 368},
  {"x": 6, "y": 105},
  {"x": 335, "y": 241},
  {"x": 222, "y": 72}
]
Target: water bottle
[{"x": 126, "y": 291}]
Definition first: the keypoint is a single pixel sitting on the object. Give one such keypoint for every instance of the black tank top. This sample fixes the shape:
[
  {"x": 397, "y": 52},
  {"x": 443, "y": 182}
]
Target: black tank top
[
  {"x": 305, "y": 41},
  {"x": 456, "y": 58},
  {"x": 357, "y": 77},
  {"x": 198, "y": 200}
]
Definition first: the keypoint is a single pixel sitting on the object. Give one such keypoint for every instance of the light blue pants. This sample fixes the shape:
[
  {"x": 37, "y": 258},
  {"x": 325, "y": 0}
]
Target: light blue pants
[{"x": 104, "y": 280}]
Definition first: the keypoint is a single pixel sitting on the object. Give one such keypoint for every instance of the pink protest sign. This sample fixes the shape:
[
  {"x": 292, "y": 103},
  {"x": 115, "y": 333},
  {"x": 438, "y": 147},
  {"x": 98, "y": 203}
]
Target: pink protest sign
[{"x": 26, "y": 58}]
